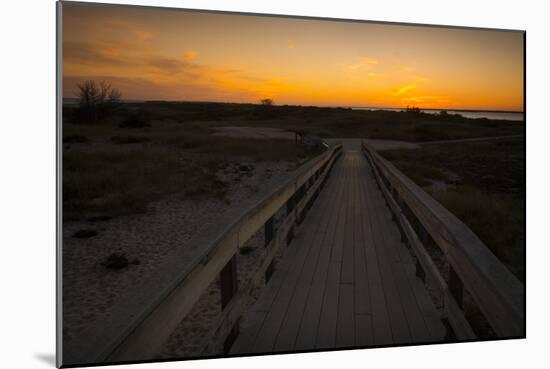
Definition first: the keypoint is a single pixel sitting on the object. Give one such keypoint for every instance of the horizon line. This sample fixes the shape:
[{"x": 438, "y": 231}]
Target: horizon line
[{"x": 316, "y": 106}]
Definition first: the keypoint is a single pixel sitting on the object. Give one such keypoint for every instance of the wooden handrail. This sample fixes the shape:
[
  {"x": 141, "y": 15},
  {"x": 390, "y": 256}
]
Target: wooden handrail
[
  {"x": 496, "y": 291},
  {"x": 137, "y": 327}
]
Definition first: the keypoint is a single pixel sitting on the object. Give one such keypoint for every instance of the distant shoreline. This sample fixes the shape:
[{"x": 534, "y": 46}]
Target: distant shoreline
[
  {"x": 440, "y": 109},
  {"x": 74, "y": 100}
]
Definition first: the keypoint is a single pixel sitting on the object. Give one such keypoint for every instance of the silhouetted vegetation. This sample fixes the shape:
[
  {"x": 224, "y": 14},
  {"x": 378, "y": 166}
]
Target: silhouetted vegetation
[
  {"x": 118, "y": 261},
  {"x": 266, "y": 111},
  {"x": 135, "y": 120},
  {"x": 414, "y": 110},
  {"x": 96, "y": 101}
]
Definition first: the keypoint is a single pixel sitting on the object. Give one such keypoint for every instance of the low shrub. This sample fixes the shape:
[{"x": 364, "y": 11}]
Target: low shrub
[{"x": 135, "y": 120}]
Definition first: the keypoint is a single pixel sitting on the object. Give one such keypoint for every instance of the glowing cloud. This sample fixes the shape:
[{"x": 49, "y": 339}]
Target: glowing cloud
[
  {"x": 403, "y": 90},
  {"x": 144, "y": 35},
  {"x": 407, "y": 69},
  {"x": 363, "y": 63},
  {"x": 431, "y": 101},
  {"x": 190, "y": 55}
]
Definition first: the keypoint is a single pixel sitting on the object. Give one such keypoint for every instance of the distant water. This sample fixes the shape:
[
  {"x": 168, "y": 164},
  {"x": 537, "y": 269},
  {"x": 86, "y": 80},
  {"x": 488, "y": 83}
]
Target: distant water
[{"x": 466, "y": 114}]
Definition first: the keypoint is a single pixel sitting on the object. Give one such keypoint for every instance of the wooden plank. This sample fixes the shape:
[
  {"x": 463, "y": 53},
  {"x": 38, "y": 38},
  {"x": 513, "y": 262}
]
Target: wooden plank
[
  {"x": 281, "y": 301},
  {"x": 414, "y": 318},
  {"x": 327, "y": 217},
  {"x": 347, "y": 275},
  {"x": 363, "y": 330},
  {"x": 340, "y": 227},
  {"x": 361, "y": 281},
  {"x": 431, "y": 317},
  {"x": 309, "y": 325},
  {"x": 286, "y": 336},
  {"x": 314, "y": 228},
  {"x": 382, "y": 334},
  {"x": 326, "y": 334},
  {"x": 266, "y": 299},
  {"x": 345, "y": 329},
  {"x": 394, "y": 305},
  {"x": 268, "y": 334}
]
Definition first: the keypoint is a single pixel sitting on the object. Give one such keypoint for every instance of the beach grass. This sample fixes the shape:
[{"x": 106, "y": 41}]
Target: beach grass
[{"x": 119, "y": 171}]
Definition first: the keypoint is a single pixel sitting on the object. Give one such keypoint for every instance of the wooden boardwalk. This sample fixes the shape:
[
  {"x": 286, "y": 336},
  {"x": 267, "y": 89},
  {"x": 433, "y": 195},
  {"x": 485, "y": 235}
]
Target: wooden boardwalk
[{"x": 346, "y": 279}]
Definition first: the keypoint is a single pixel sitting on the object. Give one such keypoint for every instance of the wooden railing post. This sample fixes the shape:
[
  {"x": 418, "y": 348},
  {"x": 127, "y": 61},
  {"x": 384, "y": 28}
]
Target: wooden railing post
[
  {"x": 231, "y": 337},
  {"x": 269, "y": 234},
  {"x": 456, "y": 287},
  {"x": 317, "y": 175},
  {"x": 289, "y": 210},
  {"x": 420, "y": 273},
  {"x": 269, "y": 271},
  {"x": 228, "y": 280},
  {"x": 290, "y": 205},
  {"x": 268, "y": 231}
]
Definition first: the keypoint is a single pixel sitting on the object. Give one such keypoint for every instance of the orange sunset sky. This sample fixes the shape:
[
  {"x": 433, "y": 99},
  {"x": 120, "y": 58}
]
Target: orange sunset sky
[{"x": 155, "y": 54}]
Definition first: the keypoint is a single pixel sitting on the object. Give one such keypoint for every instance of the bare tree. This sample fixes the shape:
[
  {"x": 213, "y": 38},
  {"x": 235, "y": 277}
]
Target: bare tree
[
  {"x": 96, "y": 100},
  {"x": 413, "y": 110},
  {"x": 266, "y": 102}
]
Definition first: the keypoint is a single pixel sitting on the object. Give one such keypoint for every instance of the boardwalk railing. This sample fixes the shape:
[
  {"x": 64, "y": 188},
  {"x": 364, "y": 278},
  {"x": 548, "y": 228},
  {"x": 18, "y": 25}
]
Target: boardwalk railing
[
  {"x": 470, "y": 268},
  {"x": 133, "y": 335}
]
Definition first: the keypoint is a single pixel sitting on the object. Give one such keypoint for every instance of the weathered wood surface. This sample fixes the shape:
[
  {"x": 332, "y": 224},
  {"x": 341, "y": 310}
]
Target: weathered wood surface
[
  {"x": 496, "y": 291},
  {"x": 237, "y": 307},
  {"x": 346, "y": 279},
  {"x": 139, "y": 326}
]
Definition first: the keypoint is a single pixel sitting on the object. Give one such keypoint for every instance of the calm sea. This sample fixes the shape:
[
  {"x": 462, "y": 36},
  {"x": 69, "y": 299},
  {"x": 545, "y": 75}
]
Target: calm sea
[{"x": 466, "y": 114}]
